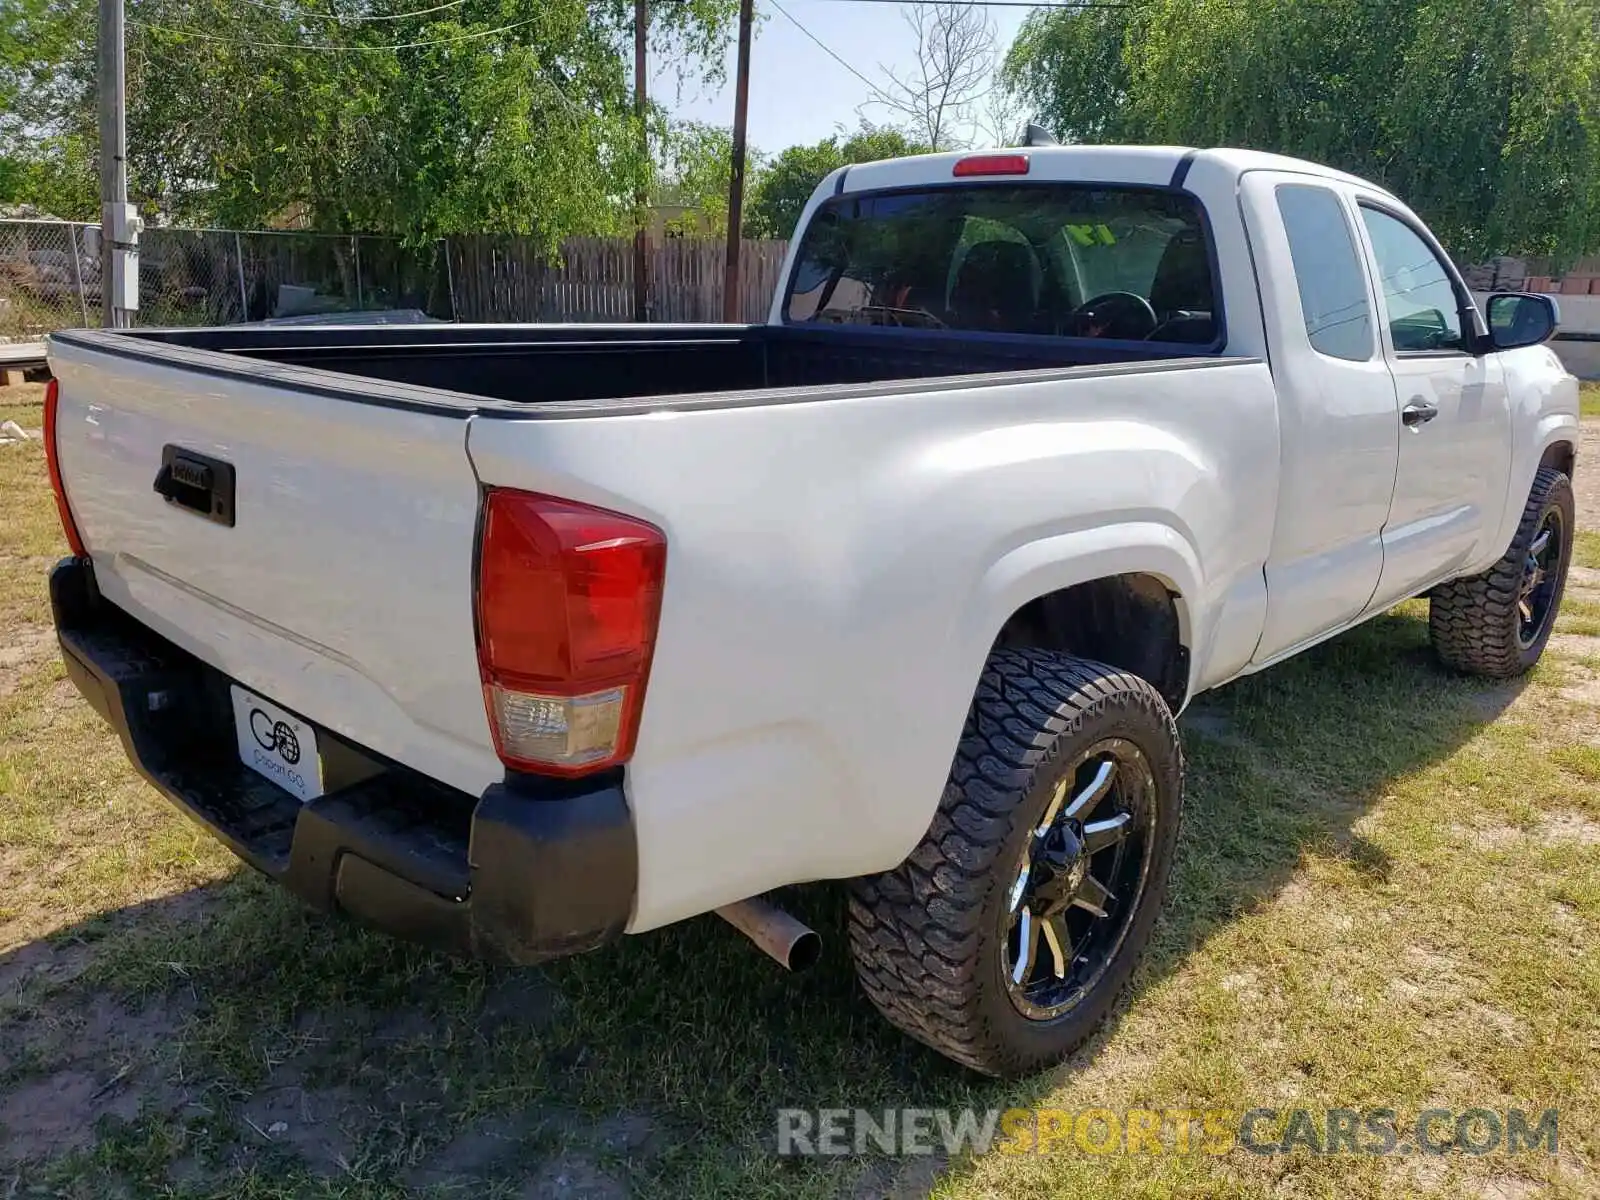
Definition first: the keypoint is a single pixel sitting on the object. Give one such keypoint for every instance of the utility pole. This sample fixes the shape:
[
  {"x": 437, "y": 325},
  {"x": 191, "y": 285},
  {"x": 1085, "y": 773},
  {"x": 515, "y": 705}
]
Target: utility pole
[
  {"x": 741, "y": 107},
  {"x": 119, "y": 227},
  {"x": 641, "y": 198}
]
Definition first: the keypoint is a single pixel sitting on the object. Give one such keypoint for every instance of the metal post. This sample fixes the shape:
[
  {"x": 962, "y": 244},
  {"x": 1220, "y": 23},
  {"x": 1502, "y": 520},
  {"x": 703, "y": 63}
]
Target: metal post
[
  {"x": 77, "y": 275},
  {"x": 741, "y": 106},
  {"x": 119, "y": 229},
  {"x": 355, "y": 248},
  {"x": 244, "y": 296},
  {"x": 641, "y": 198},
  {"x": 450, "y": 278}
]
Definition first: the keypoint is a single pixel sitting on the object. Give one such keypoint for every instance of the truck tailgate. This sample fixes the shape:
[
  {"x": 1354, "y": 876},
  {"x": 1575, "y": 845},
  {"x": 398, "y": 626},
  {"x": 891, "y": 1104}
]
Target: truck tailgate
[{"x": 342, "y": 590}]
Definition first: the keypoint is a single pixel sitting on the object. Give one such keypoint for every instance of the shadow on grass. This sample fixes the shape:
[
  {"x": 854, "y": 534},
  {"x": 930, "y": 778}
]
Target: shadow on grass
[{"x": 656, "y": 1067}]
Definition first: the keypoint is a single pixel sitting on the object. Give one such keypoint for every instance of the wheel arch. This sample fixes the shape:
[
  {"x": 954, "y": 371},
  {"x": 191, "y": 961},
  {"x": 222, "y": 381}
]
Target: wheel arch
[
  {"x": 1561, "y": 455},
  {"x": 1120, "y": 594}
]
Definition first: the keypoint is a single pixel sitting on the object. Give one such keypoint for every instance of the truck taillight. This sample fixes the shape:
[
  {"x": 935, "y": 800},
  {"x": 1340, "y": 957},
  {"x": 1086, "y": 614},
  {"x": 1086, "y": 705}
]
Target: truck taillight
[
  {"x": 52, "y": 458},
  {"x": 568, "y": 600}
]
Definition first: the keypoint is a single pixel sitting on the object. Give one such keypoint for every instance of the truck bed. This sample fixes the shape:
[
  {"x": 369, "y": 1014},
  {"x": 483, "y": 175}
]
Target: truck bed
[
  {"x": 856, "y": 506},
  {"x": 546, "y": 364}
]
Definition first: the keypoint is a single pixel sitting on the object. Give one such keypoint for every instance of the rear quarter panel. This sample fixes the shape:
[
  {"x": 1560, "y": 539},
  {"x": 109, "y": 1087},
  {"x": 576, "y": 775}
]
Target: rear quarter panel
[{"x": 838, "y": 567}]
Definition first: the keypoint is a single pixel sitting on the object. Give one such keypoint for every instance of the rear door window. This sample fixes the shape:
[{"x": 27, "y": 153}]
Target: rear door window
[
  {"x": 1065, "y": 260},
  {"x": 1333, "y": 286}
]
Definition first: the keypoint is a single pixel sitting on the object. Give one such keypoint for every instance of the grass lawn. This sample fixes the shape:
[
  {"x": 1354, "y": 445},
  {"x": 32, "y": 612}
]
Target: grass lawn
[
  {"x": 1387, "y": 895},
  {"x": 1589, "y": 398}
]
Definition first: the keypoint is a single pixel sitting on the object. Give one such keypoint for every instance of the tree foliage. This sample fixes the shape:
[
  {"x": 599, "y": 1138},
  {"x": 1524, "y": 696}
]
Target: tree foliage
[
  {"x": 1484, "y": 115},
  {"x": 779, "y": 193},
  {"x": 36, "y": 38},
  {"x": 695, "y": 172},
  {"x": 697, "y": 165},
  {"x": 497, "y": 115}
]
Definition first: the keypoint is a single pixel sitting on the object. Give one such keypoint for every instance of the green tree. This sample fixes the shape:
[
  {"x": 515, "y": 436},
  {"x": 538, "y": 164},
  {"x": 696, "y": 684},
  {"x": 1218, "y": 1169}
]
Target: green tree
[
  {"x": 1484, "y": 115},
  {"x": 695, "y": 172},
  {"x": 479, "y": 115},
  {"x": 779, "y": 193},
  {"x": 1072, "y": 73},
  {"x": 39, "y": 166}
]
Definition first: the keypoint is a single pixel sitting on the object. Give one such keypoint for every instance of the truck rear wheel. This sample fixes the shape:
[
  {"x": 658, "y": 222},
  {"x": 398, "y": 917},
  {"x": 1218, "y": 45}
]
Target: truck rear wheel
[
  {"x": 1007, "y": 935},
  {"x": 1497, "y": 623}
]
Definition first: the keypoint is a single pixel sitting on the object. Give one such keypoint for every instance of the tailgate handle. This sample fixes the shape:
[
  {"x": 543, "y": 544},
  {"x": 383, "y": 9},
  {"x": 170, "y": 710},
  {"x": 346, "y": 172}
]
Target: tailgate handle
[{"x": 197, "y": 482}]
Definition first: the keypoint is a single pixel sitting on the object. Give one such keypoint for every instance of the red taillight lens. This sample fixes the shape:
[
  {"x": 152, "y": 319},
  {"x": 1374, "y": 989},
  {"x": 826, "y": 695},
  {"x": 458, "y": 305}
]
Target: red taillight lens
[
  {"x": 568, "y": 600},
  {"x": 52, "y": 399},
  {"x": 991, "y": 164}
]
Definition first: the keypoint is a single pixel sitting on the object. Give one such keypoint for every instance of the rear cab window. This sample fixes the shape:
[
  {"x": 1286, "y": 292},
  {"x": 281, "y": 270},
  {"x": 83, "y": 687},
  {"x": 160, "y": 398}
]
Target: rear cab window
[{"x": 1051, "y": 259}]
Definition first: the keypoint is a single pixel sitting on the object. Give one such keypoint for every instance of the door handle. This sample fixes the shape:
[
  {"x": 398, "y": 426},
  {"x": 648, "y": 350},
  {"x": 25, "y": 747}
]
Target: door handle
[{"x": 1418, "y": 412}]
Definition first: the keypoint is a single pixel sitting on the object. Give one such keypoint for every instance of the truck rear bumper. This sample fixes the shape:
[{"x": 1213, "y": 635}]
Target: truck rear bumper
[{"x": 532, "y": 869}]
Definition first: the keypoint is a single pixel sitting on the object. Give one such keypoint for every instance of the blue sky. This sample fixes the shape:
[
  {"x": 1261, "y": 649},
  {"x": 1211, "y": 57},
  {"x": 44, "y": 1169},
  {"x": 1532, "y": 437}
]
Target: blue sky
[{"x": 797, "y": 92}]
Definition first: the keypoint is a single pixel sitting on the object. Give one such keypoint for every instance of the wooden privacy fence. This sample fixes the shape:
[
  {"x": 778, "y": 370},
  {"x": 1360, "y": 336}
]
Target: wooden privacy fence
[
  {"x": 503, "y": 278},
  {"x": 50, "y": 277}
]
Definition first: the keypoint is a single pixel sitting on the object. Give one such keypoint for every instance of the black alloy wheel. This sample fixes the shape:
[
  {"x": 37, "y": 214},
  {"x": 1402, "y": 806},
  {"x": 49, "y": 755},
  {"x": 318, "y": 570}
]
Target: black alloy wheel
[{"x": 1080, "y": 879}]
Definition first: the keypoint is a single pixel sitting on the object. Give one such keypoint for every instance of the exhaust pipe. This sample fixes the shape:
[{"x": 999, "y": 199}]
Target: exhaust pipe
[{"x": 794, "y": 946}]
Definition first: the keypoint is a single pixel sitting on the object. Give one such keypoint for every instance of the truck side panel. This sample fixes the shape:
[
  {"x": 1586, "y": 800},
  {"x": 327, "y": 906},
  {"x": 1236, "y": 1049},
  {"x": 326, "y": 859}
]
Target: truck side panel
[{"x": 837, "y": 572}]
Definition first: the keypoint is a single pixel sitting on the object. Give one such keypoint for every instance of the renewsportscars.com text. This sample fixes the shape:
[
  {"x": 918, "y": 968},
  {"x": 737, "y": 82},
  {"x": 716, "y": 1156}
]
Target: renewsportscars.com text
[{"x": 1369, "y": 1131}]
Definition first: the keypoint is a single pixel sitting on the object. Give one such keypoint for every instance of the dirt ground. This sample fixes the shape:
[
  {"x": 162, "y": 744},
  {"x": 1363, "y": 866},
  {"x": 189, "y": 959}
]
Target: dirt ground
[{"x": 1586, "y": 482}]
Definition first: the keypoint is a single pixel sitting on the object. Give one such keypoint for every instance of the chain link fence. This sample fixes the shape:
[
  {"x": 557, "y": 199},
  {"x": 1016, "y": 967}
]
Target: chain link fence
[
  {"x": 48, "y": 279},
  {"x": 50, "y": 276}
]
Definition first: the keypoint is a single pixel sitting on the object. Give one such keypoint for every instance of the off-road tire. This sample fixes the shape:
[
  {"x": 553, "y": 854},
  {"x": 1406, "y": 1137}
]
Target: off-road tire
[
  {"x": 927, "y": 937},
  {"x": 1473, "y": 622}
]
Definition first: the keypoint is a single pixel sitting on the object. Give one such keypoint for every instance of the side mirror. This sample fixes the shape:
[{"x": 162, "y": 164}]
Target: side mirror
[{"x": 1521, "y": 319}]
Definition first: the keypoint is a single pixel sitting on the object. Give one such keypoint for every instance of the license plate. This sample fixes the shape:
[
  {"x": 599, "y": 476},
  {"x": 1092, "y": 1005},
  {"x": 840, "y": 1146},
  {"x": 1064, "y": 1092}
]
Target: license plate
[{"x": 277, "y": 744}]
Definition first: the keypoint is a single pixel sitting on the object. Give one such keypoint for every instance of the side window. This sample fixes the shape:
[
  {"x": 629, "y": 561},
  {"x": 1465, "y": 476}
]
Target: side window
[
  {"x": 1328, "y": 272},
  {"x": 1421, "y": 304}
]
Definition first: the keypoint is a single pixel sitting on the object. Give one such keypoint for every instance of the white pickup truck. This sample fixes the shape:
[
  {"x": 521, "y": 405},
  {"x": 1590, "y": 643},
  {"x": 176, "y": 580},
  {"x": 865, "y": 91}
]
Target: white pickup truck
[{"x": 518, "y": 638}]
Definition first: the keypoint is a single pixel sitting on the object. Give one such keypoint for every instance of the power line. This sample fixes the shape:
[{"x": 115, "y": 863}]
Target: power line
[
  {"x": 826, "y": 49},
  {"x": 289, "y": 10},
  {"x": 229, "y": 41}
]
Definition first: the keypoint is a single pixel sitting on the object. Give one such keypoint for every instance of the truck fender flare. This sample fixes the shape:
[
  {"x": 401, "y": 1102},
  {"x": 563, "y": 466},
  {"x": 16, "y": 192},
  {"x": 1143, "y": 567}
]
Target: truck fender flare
[{"x": 1063, "y": 560}]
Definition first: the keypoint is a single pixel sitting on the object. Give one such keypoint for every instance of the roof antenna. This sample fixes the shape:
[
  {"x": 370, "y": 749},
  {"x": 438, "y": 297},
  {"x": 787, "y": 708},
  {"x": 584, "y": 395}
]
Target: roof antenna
[{"x": 1038, "y": 135}]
